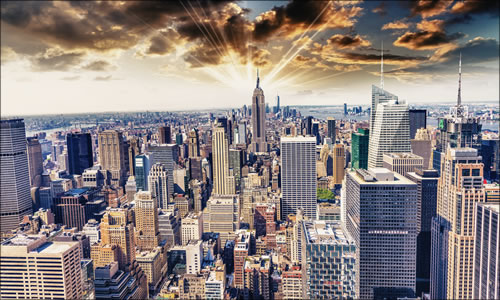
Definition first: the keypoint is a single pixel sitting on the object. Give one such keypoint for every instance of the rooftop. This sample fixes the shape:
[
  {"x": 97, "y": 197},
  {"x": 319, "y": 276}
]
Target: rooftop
[
  {"x": 379, "y": 176},
  {"x": 402, "y": 155},
  {"x": 323, "y": 232},
  {"x": 298, "y": 139}
]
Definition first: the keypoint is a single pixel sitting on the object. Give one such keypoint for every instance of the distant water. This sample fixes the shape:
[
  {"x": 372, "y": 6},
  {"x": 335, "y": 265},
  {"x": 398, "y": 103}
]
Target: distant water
[{"x": 338, "y": 113}]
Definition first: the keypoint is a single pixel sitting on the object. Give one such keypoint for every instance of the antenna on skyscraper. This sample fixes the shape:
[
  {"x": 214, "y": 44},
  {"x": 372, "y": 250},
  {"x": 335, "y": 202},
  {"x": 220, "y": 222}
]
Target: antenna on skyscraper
[
  {"x": 258, "y": 78},
  {"x": 459, "y": 99},
  {"x": 382, "y": 67}
]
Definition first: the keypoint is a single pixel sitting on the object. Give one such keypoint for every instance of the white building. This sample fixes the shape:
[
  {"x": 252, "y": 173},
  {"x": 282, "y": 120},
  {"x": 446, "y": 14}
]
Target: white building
[
  {"x": 158, "y": 184},
  {"x": 194, "y": 256},
  {"x": 191, "y": 227}
]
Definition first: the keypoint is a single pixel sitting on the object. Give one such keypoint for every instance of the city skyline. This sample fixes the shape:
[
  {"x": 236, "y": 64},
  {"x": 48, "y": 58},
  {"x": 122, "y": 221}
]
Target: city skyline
[{"x": 109, "y": 54}]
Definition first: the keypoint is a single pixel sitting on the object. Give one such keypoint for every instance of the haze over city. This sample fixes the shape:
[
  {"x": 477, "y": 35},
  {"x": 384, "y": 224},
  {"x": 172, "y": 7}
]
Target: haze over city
[{"x": 125, "y": 56}]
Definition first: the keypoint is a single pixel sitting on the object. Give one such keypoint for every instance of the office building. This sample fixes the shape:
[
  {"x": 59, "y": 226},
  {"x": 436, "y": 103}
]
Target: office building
[
  {"x": 76, "y": 206},
  {"x": 298, "y": 178},
  {"x": 381, "y": 217},
  {"x": 35, "y": 161},
  {"x": 113, "y": 283},
  {"x": 338, "y": 163},
  {"x": 402, "y": 163},
  {"x": 15, "y": 197},
  {"x": 359, "y": 149},
  {"x": 57, "y": 265},
  {"x": 241, "y": 252},
  {"x": 112, "y": 155},
  {"x": 331, "y": 129},
  {"x": 389, "y": 133},
  {"x": 169, "y": 226},
  {"x": 193, "y": 144},
  {"x": 191, "y": 227},
  {"x": 92, "y": 230},
  {"x": 242, "y": 133},
  {"x": 192, "y": 286},
  {"x": 379, "y": 96},
  {"x": 421, "y": 145},
  {"x": 158, "y": 185},
  {"x": 460, "y": 187},
  {"x": 80, "y": 153},
  {"x": 426, "y": 181},
  {"x": 142, "y": 167},
  {"x": 166, "y": 155},
  {"x": 236, "y": 160},
  {"x": 222, "y": 215},
  {"x": 418, "y": 120},
  {"x": 153, "y": 265},
  {"x": 164, "y": 135},
  {"x": 220, "y": 161},
  {"x": 194, "y": 256},
  {"x": 133, "y": 151},
  {"x": 216, "y": 284},
  {"x": 293, "y": 283},
  {"x": 257, "y": 277},
  {"x": 486, "y": 277},
  {"x": 146, "y": 221},
  {"x": 258, "y": 119},
  {"x": 329, "y": 261},
  {"x": 491, "y": 159}
]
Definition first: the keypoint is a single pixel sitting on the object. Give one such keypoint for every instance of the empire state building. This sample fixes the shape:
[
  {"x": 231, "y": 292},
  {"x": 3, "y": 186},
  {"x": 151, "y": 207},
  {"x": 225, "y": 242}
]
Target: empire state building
[{"x": 258, "y": 119}]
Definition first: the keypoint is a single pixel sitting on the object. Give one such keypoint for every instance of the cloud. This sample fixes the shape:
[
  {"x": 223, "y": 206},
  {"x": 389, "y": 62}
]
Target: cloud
[
  {"x": 380, "y": 9},
  {"x": 304, "y": 93},
  {"x": 431, "y": 35},
  {"x": 104, "y": 78},
  {"x": 301, "y": 61},
  {"x": 71, "y": 78},
  {"x": 298, "y": 16},
  {"x": 55, "y": 59},
  {"x": 261, "y": 58},
  {"x": 396, "y": 25},
  {"x": 99, "y": 66},
  {"x": 429, "y": 8},
  {"x": 477, "y": 50},
  {"x": 475, "y": 7},
  {"x": 7, "y": 55},
  {"x": 347, "y": 42},
  {"x": 347, "y": 68}
]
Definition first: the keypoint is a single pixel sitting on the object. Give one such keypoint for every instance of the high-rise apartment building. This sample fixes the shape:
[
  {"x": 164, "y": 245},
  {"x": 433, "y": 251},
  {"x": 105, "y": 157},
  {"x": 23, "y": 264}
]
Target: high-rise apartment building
[
  {"x": 80, "y": 153},
  {"x": 486, "y": 277},
  {"x": 402, "y": 163},
  {"x": 390, "y": 131},
  {"x": 34, "y": 268},
  {"x": 460, "y": 187},
  {"x": 112, "y": 155},
  {"x": 293, "y": 284},
  {"x": 329, "y": 261},
  {"x": 298, "y": 178},
  {"x": 35, "y": 161},
  {"x": 15, "y": 197},
  {"x": 220, "y": 161},
  {"x": 338, "y": 163},
  {"x": 146, "y": 221},
  {"x": 421, "y": 145},
  {"x": 258, "y": 119},
  {"x": 359, "y": 149},
  {"x": 164, "y": 135},
  {"x": 418, "y": 120},
  {"x": 158, "y": 184},
  {"x": 426, "y": 181},
  {"x": 381, "y": 216},
  {"x": 241, "y": 252}
]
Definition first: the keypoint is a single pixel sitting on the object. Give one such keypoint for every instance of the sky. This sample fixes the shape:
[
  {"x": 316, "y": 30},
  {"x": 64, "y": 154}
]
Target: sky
[{"x": 78, "y": 56}]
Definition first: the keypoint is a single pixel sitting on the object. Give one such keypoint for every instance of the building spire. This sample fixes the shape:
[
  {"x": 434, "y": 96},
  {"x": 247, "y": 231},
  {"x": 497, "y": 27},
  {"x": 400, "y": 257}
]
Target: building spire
[
  {"x": 382, "y": 67},
  {"x": 258, "y": 79},
  {"x": 459, "y": 99}
]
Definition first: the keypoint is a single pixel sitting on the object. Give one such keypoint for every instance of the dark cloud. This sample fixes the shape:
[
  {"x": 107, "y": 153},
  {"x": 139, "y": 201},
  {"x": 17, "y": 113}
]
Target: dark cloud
[
  {"x": 297, "y": 16},
  {"x": 56, "y": 60},
  {"x": 199, "y": 56},
  {"x": 99, "y": 66},
  {"x": 347, "y": 42},
  {"x": 477, "y": 50},
  {"x": 261, "y": 57},
  {"x": 164, "y": 42},
  {"x": 475, "y": 7},
  {"x": 425, "y": 40},
  {"x": 380, "y": 9},
  {"x": 428, "y": 8}
]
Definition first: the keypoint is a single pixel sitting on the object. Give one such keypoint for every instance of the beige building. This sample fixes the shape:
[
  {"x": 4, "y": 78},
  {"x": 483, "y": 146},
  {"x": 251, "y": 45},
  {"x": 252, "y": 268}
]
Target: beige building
[
  {"x": 292, "y": 284},
  {"x": 112, "y": 155},
  {"x": 192, "y": 286},
  {"x": 33, "y": 268},
  {"x": 146, "y": 221},
  {"x": 402, "y": 163},
  {"x": 421, "y": 145},
  {"x": 338, "y": 163},
  {"x": 222, "y": 215},
  {"x": 191, "y": 227},
  {"x": 151, "y": 264},
  {"x": 220, "y": 158}
]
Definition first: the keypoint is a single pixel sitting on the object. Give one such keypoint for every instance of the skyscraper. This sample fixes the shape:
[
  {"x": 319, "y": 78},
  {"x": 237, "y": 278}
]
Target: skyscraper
[
  {"x": 418, "y": 119},
  {"x": 146, "y": 221},
  {"x": 35, "y": 161},
  {"x": 338, "y": 163},
  {"x": 298, "y": 179},
  {"x": 133, "y": 151},
  {"x": 164, "y": 135},
  {"x": 331, "y": 129},
  {"x": 258, "y": 119},
  {"x": 142, "y": 167},
  {"x": 379, "y": 96},
  {"x": 80, "y": 155},
  {"x": 112, "y": 155},
  {"x": 15, "y": 197},
  {"x": 158, "y": 185},
  {"x": 57, "y": 265},
  {"x": 421, "y": 145},
  {"x": 389, "y": 132},
  {"x": 359, "y": 149},
  {"x": 220, "y": 161},
  {"x": 241, "y": 251},
  {"x": 194, "y": 144},
  {"x": 426, "y": 181},
  {"x": 460, "y": 187},
  {"x": 402, "y": 163},
  {"x": 381, "y": 216},
  {"x": 167, "y": 155},
  {"x": 486, "y": 275}
]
